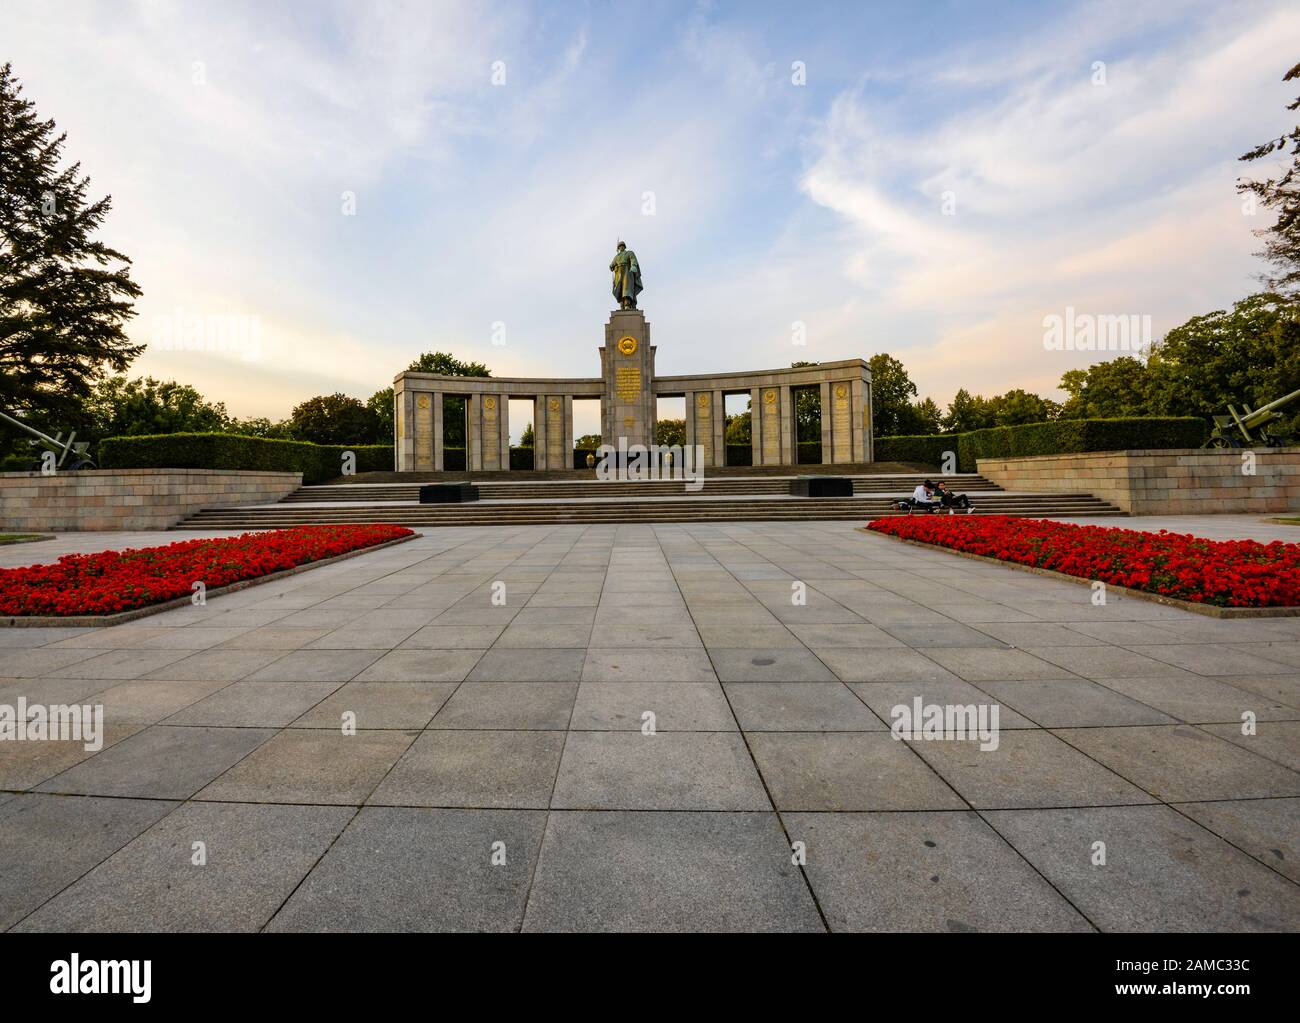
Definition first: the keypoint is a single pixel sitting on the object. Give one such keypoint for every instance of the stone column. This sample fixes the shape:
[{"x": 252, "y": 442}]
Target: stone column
[
  {"x": 540, "y": 431},
  {"x": 718, "y": 419},
  {"x": 567, "y": 434},
  {"x": 755, "y": 426},
  {"x": 841, "y": 421},
  {"x": 789, "y": 431},
  {"x": 689, "y": 404},
  {"x": 423, "y": 431},
  {"x": 404, "y": 428},
  {"x": 438, "y": 462},
  {"x": 855, "y": 411},
  {"x": 473, "y": 435},
  {"x": 826, "y": 422},
  {"x": 503, "y": 407},
  {"x": 867, "y": 425}
]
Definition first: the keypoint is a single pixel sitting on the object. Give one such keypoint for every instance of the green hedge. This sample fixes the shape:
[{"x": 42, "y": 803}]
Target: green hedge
[
  {"x": 926, "y": 449},
  {"x": 1059, "y": 437},
  {"x": 316, "y": 462},
  {"x": 740, "y": 454},
  {"x": 1070, "y": 436},
  {"x": 810, "y": 452},
  {"x": 521, "y": 458}
]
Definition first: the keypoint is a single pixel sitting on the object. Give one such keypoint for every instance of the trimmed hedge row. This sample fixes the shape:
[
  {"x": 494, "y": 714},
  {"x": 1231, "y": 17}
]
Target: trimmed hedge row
[
  {"x": 316, "y": 462},
  {"x": 810, "y": 452},
  {"x": 926, "y": 449},
  {"x": 1059, "y": 437}
]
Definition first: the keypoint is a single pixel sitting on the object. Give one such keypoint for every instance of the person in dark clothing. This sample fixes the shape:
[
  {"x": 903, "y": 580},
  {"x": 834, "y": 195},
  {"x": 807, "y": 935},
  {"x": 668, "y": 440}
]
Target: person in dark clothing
[{"x": 949, "y": 500}]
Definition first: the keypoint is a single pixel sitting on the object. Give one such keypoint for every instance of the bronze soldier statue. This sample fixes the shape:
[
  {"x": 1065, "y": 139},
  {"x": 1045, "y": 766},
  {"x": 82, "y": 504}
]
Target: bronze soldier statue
[{"x": 627, "y": 277}]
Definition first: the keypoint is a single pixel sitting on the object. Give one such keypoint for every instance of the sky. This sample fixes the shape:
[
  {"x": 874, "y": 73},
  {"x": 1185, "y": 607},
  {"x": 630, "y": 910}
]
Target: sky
[{"x": 314, "y": 193}]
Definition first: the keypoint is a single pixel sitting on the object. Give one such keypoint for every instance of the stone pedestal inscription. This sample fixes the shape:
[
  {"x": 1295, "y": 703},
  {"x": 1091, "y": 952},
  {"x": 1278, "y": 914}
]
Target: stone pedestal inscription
[
  {"x": 704, "y": 425},
  {"x": 771, "y": 414},
  {"x": 627, "y": 365},
  {"x": 424, "y": 431}
]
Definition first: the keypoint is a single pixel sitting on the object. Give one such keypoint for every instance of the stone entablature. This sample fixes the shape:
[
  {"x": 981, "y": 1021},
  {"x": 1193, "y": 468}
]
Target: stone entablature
[
  {"x": 628, "y": 389},
  {"x": 129, "y": 499},
  {"x": 1180, "y": 481}
]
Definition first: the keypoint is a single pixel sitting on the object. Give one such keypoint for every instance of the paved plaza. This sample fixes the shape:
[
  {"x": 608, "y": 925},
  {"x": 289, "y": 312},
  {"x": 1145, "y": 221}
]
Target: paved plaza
[{"x": 502, "y": 682}]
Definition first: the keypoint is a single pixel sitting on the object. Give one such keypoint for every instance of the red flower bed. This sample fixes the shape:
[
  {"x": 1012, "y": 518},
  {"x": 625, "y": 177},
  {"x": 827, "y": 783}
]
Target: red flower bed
[
  {"x": 1231, "y": 573},
  {"x": 112, "y": 581}
]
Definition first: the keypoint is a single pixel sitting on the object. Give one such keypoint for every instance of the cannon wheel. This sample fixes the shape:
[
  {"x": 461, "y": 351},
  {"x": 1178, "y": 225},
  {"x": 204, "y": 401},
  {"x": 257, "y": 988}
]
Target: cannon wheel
[{"x": 84, "y": 463}]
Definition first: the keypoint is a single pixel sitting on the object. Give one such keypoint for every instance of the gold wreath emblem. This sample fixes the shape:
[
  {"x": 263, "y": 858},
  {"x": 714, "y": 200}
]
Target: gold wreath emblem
[
  {"x": 554, "y": 405},
  {"x": 422, "y": 401},
  {"x": 627, "y": 345},
  {"x": 489, "y": 403},
  {"x": 840, "y": 390},
  {"x": 769, "y": 397},
  {"x": 702, "y": 401}
]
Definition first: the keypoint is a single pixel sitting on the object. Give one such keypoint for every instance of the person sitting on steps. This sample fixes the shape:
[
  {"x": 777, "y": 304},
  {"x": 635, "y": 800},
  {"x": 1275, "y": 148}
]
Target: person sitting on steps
[
  {"x": 951, "y": 501},
  {"x": 922, "y": 498}
]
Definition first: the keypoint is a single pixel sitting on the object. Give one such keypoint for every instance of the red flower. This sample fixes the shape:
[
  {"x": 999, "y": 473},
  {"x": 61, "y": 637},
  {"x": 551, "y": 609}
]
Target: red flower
[
  {"x": 1231, "y": 573},
  {"x": 111, "y": 581}
]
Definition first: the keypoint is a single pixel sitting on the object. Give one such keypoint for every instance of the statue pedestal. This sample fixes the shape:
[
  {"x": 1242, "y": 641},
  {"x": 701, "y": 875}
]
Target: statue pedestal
[{"x": 627, "y": 363}]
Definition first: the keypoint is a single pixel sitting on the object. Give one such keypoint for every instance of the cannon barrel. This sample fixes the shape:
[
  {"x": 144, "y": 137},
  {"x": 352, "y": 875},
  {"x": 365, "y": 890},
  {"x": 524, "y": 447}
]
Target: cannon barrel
[
  {"x": 29, "y": 429},
  {"x": 1265, "y": 412}
]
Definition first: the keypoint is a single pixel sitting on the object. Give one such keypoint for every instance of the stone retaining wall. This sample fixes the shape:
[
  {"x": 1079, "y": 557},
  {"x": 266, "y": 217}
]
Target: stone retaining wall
[
  {"x": 1183, "y": 481},
  {"x": 129, "y": 499}
]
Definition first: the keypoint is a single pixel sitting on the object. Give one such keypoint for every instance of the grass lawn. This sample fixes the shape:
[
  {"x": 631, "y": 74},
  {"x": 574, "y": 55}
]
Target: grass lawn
[{"x": 21, "y": 537}]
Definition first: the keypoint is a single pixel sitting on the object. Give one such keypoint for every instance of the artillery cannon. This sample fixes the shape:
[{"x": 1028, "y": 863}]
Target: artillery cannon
[
  {"x": 70, "y": 448},
  {"x": 1246, "y": 428}
]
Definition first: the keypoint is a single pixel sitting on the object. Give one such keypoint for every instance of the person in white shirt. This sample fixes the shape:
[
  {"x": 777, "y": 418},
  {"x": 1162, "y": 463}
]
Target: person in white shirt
[{"x": 922, "y": 496}]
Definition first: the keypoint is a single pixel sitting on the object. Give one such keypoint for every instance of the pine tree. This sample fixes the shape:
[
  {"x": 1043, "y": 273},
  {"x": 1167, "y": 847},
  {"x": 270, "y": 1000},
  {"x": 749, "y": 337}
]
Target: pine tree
[
  {"x": 1282, "y": 240},
  {"x": 63, "y": 295}
]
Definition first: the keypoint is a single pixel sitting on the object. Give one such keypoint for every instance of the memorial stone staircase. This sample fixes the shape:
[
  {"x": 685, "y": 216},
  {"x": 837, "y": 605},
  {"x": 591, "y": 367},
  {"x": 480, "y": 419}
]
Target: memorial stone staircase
[{"x": 580, "y": 498}]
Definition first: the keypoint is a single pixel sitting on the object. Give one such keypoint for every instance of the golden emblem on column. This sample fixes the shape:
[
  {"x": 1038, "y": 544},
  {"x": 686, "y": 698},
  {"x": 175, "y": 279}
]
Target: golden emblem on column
[
  {"x": 489, "y": 403},
  {"x": 553, "y": 405},
  {"x": 422, "y": 401},
  {"x": 702, "y": 401},
  {"x": 840, "y": 390},
  {"x": 627, "y": 345},
  {"x": 769, "y": 397}
]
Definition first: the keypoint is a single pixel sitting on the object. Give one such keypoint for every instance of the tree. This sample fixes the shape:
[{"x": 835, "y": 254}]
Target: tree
[
  {"x": 927, "y": 417},
  {"x": 670, "y": 431},
  {"x": 448, "y": 365},
  {"x": 335, "y": 419},
  {"x": 1018, "y": 407},
  {"x": 527, "y": 438},
  {"x": 259, "y": 426},
  {"x": 64, "y": 296},
  {"x": 892, "y": 392},
  {"x": 381, "y": 402},
  {"x": 1250, "y": 355},
  {"x": 738, "y": 430},
  {"x": 1107, "y": 390},
  {"x": 588, "y": 440},
  {"x": 1281, "y": 193},
  {"x": 968, "y": 412},
  {"x": 118, "y": 407}
]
